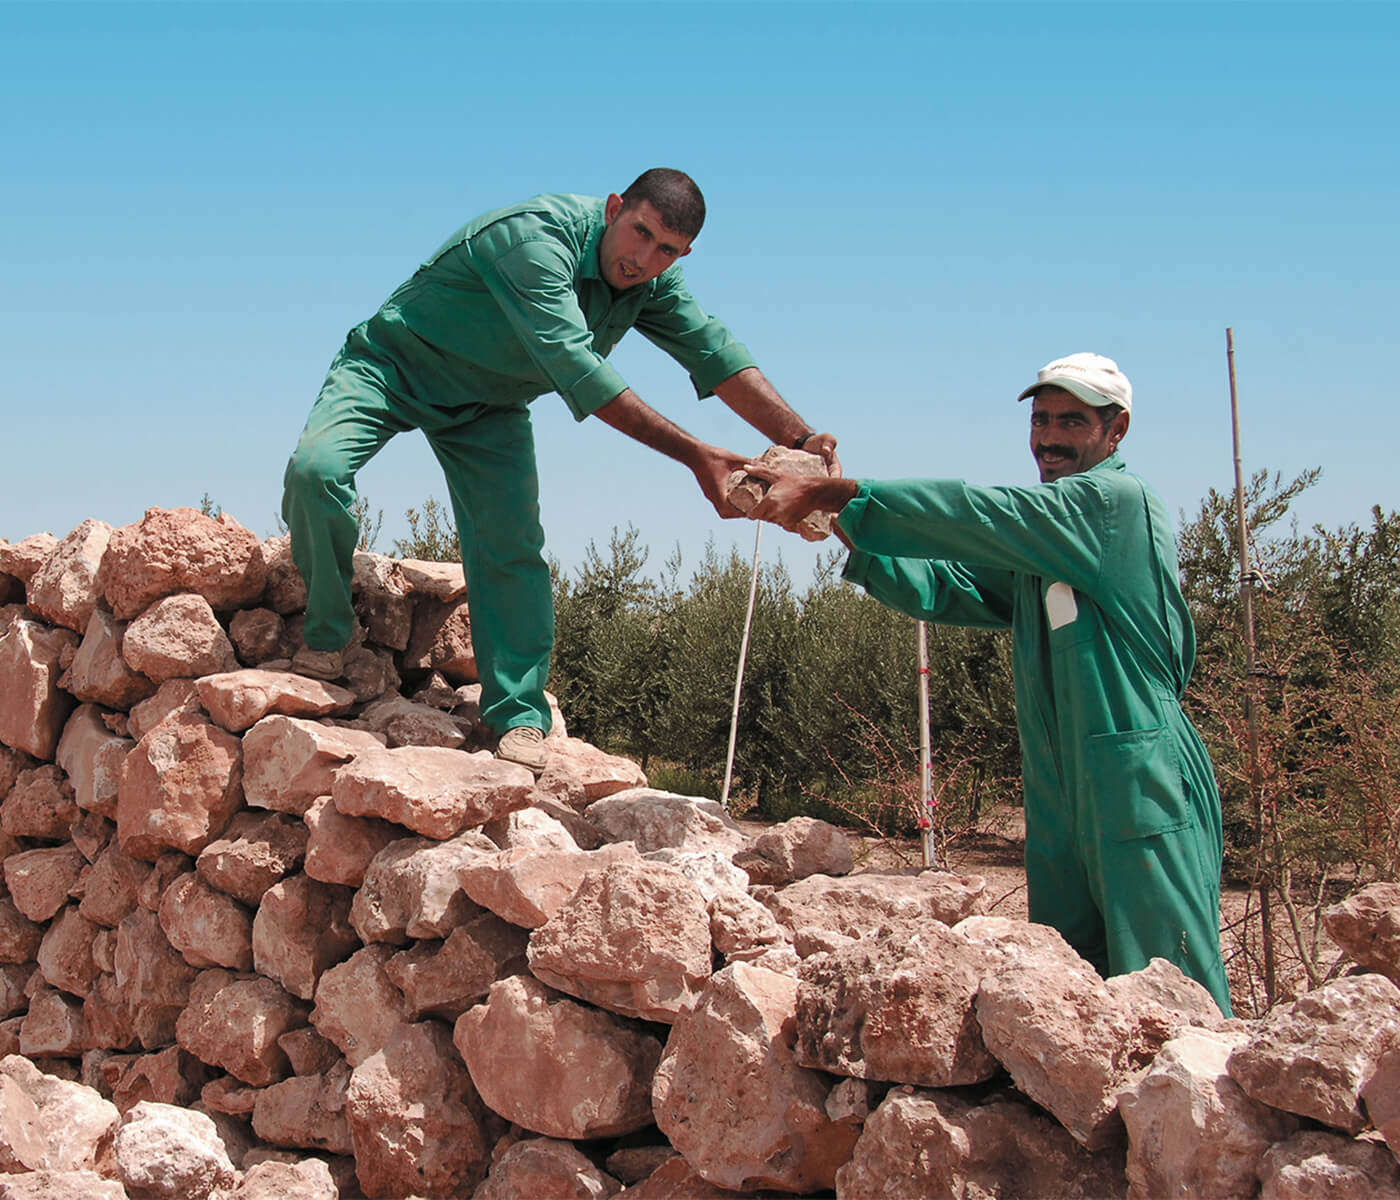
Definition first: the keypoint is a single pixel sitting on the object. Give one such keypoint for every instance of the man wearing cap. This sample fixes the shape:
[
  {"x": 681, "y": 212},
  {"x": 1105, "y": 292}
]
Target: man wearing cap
[
  {"x": 519, "y": 302},
  {"x": 1123, "y": 831}
]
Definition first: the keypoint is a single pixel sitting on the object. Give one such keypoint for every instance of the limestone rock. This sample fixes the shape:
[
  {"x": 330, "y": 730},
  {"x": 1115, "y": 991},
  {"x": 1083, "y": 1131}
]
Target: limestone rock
[
  {"x": 40, "y": 805},
  {"x": 233, "y": 1023},
  {"x": 339, "y": 849},
  {"x": 60, "y": 1185},
  {"x": 170, "y": 1153},
  {"x": 445, "y": 978},
  {"x": 416, "y": 1122},
  {"x": 53, "y": 1026},
  {"x": 181, "y": 550},
  {"x": 405, "y": 723},
  {"x": 100, "y": 674},
  {"x": 255, "y": 851},
  {"x": 794, "y": 850},
  {"x": 23, "y": 558},
  {"x": 412, "y": 889},
  {"x": 259, "y": 635},
  {"x": 65, "y": 954},
  {"x": 92, "y": 757},
  {"x": 1313, "y": 1057},
  {"x": 152, "y": 980},
  {"x": 68, "y": 1126},
  {"x": 301, "y": 928},
  {"x": 1381, "y": 1096},
  {"x": 555, "y": 1066},
  {"x": 545, "y": 1167},
  {"x": 19, "y": 936},
  {"x": 289, "y": 762},
  {"x": 109, "y": 893},
  {"x": 306, "y": 1111},
  {"x": 309, "y": 1179},
  {"x": 744, "y": 491},
  {"x": 64, "y": 589},
  {"x": 179, "y": 787},
  {"x": 1316, "y": 1165},
  {"x": 530, "y": 829},
  {"x": 1367, "y": 926},
  {"x": 209, "y": 928},
  {"x": 239, "y": 699},
  {"x": 927, "y": 1143},
  {"x": 657, "y": 820},
  {"x": 1191, "y": 1130},
  {"x": 742, "y": 928},
  {"x": 442, "y": 640},
  {"x": 526, "y": 887},
  {"x": 634, "y": 939},
  {"x": 895, "y": 1009},
  {"x": 33, "y": 708},
  {"x": 40, "y": 881},
  {"x": 286, "y": 590},
  {"x": 382, "y": 599},
  {"x": 824, "y": 913},
  {"x": 772, "y": 1131},
  {"x": 357, "y": 1005},
  {"x": 173, "y": 697},
  {"x": 178, "y": 637},
  {"x": 578, "y": 773}
]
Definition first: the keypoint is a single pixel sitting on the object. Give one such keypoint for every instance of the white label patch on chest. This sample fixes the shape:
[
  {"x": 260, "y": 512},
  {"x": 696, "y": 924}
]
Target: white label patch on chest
[{"x": 1060, "y": 606}]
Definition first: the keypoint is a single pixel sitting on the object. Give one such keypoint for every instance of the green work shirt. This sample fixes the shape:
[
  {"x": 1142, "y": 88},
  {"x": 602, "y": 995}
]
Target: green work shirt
[
  {"x": 1084, "y": 572},
  {"x": 512, "y": 305}
]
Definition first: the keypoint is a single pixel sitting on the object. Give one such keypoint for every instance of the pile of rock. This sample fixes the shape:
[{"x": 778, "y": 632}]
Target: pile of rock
[{"x": 266, "y": 937}]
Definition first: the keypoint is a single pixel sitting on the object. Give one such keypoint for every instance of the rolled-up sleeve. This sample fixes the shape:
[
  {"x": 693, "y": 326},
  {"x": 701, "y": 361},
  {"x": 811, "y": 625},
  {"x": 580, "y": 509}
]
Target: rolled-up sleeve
[
  {"x": 673, "y": 321},
  {"x": 532, "y": 284}
]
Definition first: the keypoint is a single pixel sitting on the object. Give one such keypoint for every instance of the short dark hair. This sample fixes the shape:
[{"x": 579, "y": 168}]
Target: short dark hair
[
  {"x": 673, "y": 194},
  {"x": 1108, "y": 413}
]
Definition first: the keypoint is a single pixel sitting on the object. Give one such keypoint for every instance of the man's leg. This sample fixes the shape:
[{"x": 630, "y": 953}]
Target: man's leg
[
  {"x": 489, "y": 462},
  {"x": 351, "y": 420},
  {"x": 1058, "y": 891}
]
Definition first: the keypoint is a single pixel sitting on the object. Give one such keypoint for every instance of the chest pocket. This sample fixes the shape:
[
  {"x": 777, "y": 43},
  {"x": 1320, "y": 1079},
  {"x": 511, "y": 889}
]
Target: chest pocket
[{"x": 1065, "y": 617}]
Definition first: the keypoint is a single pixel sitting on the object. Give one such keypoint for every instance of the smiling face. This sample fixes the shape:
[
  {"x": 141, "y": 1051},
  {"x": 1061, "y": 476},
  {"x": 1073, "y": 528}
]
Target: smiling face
[
  {"x": 1069, "y": 436},
  {"x": 636, "y": 246}
]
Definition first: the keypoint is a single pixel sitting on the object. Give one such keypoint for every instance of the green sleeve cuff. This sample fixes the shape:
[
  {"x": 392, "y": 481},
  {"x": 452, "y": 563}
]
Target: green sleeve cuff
[
  {"x": 597, "y": 388},
  {"x": 857, "y": 568},
  {"x": 849, "y": 518},
  {"x": 728, "y": 360}
]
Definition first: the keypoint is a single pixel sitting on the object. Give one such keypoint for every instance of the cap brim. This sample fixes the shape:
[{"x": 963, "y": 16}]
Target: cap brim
[{"x": 1075, "y": 387}]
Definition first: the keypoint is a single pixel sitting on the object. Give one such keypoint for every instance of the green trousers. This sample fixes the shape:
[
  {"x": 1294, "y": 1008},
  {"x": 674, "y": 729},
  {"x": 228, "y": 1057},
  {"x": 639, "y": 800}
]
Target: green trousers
[{"x": 487, "y": 453}]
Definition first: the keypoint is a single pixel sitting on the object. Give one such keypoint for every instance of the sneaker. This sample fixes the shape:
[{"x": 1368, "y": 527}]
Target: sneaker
[
  {"x": 325, "y": 665},
  {"x": 524, "y": 744}
]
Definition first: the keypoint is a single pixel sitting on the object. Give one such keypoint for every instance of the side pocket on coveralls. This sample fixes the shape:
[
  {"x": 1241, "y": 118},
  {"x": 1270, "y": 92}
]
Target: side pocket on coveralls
[{"x": 1136, "y": 782}]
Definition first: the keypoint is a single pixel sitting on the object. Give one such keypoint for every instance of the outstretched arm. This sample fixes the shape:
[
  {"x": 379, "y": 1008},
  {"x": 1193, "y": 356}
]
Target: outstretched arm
[
  {"x": 757, "y": 401},
  {"x": 711, "y": 465}
]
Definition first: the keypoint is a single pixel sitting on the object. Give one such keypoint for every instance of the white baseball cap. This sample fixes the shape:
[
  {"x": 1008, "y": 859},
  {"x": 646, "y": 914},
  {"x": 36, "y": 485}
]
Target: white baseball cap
[{"x": 1093, "y": 378}]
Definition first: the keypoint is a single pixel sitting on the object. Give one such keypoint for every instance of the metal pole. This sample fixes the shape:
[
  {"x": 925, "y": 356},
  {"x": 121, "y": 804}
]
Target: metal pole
[
  {"x": 1247, "y": 577},
  {"x": 926, "y": 830},
  {"x": 739, "y": 673}
]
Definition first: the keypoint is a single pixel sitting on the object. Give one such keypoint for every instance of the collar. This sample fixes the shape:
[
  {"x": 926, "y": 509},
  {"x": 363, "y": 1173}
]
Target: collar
[{"x": 588, "y": 261}]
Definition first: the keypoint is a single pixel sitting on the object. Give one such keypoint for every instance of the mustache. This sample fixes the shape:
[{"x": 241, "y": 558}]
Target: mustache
[{"x": 1066, "y": 451}]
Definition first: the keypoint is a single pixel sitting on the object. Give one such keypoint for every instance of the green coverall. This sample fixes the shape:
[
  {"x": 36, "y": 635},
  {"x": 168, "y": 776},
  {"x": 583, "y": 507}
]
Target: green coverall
[
  {"x": 1123, "y": 836},
  {"x": 510, "y": 307}
]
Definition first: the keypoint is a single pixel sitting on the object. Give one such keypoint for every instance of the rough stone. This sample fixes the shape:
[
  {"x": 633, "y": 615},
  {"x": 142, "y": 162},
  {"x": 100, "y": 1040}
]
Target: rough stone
[
  {"x": 41, "y": 881},
  {"x": 19, "y": 936},
  {"x": 167, "y": 1153},
  {"x": 92, "y": 757},
  {"x": 152, "y": 979},
  {"x": 357, "y": 1005},
  {"x": 109, "y": 892},
  {"x": 181, "y": 550},
  {"x": 744, "y": 491},
  {"x": 1317, "y": 1165},
  {"x": 99, "y": 673},
  {"x": 64, "y": 589},
  {"x": 286, "y": 590},
  {"x": 208, "y": 927},
  {"x": 259, "y": 635},
  {"x": 23, "y": 558},
  {"x": 173, "y": 697},
  {"x": 445, "y": 978},
  {"x": 555, "y": 1066},
  {"x": 933, "y": 1143},
  {"x": 795, "y": 849},
  {"x": 1381, "y": 1096},
  {"x": 239, "y": 699},
  {"x": 546, "y": 1167},
  {"x": 578, "y": 773},
  {"x": 656, "y": 820},
  {"x": 382, "y": 599},
  {"x": 1313, "y": 1057},
  {"x": 530, "y": 829},
  {"x": 1366, "y": 926},
  {"x": 307, "y": 1111},
  {"x": 33, "y": 708},
  {"x": 526, "y": 887},
  {"x": 53, "y": 1026},
  {"x": 634, "y": 939},
  {"x": 442, "y": 640},
  {"x": 73, "y": 1124},
  {"x": 65, "y": 954},
  {"x": 339, "y": 849},
  {"x": 255, "y": 851},
  {"x": 178, "y": 637},
  {"x": 772, "y": 1131},
  {"x": 289, "y": 762},
  {"x": 412, "y": 889},
  {"x": 40, "y": 805},
  {"x": 432, "y": 791},
  {"x": 405, "y": 723},
  {"x": 233, "y": 1023},
  {"x": 179, "y": 787},
  {"x": 301, "y": 928}
]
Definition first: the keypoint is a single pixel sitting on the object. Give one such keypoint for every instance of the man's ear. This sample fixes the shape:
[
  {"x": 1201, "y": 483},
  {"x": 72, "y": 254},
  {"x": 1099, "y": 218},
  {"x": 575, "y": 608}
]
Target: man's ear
[
  {"x": 1119, "y": 428},
  {"x": 612, "y": 208}
]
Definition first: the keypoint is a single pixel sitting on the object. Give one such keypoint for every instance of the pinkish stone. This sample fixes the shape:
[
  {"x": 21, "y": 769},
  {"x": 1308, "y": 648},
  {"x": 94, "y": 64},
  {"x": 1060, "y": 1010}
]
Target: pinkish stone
[
  {"x": 228, "y": 1096},
  {"x": 19, "y": 936},
  {"x": 442, "y": 641},
  {"x": 416, "y": 1122},
  {"x": 578, "y": 773},
  {"x": 40, "y": 805},
  {"x": 40, "y": 881},
  {"x": 181, "y": 550},
  {"x": 33, "y": 708},
  {"x": 238, "y": 700},
  {"x": 65, "y": 954},
  {"x": 307, "y": 1111},
  {"x": 1318, "y": 1165},
  {"x": 794, "y": 850},
  {"x": 530, "y": 829},
  {"x": 53, "y": 1026},
  {"x": 290, "y": 762},
  {"x": 634, "y": 939},
  {"x": 412, "y": 889},
  {"x": 663, "y": 820},
  {"x": 23, "y": 558},
  {"x": 555, "y": 1066},
  {"x": 152, "y": 979},
  {"x": 178, "y": 637},
  {"x": 526, "y": 887},
  {"x": 179, "y": 787},
  {"x": 301, "y": 928},
  {"x": 773, "y": 1130},
  {"x": 209, "y": 928},
  {"x": 445, "y": 978},
  {"x": 233, "y": 1023},
  {"x": 1381, "y": 1096},
  {"x": 286, "y": 590},
  {"x": 339, "y": 849},
  {"x": 170, "y": 1076},
  {"x": 436, "y": 580},
  {"x": 64, "y": 589},
  {"x": 99, "y": 673},
  {"x": 255, "y": 851},
  {"x": 73, "y": 1123},
  {"x": 357, "y": 1005},
  {"x": 744, "y": 491},
  {"x": 258, "y": 636},
  {"x": 432, "y": 791},
  {"x": 382, "y": 600},
  {"x": 404, "y": 723},
  {"x": 172, "y": 1153},
  {"x": 308, "y": 1052},
  {"x": 92, "y": 757},
  {"x": 895, "y": 1009},
  {"x": 109, "y": 893},
  {"x": 174, "y": 696},
  {"x": 1366, "y": 925},
  {"x": 546, "y": 1167}
]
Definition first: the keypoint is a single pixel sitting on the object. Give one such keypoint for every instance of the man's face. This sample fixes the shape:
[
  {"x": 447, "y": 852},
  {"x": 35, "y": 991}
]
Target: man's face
[
  {"x": 636, "y": 246},
  {"x": 1068, "y": 436}
]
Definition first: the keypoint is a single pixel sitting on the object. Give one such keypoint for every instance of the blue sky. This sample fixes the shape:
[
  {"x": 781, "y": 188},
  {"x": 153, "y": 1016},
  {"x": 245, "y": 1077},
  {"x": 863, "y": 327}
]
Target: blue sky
[{"x": 912, "y": 207}]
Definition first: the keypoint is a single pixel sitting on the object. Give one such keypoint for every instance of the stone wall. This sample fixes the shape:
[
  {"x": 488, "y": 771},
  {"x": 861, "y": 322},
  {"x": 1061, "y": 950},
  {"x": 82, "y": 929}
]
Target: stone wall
[{"x": 262, "y": 936}]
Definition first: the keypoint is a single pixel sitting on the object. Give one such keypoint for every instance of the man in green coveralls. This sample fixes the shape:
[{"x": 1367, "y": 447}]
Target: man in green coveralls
[
  {"x": 1123, "y": 837},
  {"x": 519, "y": 302}
]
